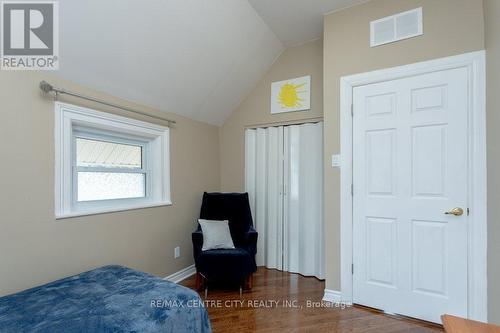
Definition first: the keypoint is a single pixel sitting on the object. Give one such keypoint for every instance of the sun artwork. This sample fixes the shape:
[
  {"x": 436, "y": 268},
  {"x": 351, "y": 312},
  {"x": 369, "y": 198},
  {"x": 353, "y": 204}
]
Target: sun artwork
[{"x": 289, "y": 95}]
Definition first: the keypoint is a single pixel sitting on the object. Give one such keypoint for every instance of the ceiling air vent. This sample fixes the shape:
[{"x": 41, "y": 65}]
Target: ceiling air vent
[{"x": 396, "y": 27}]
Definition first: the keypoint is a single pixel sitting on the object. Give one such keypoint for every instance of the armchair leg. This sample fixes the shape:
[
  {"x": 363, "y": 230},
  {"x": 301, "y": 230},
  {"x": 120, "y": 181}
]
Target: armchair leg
[
  {"x": 249, "y": 282},
  {"x": 198, "y": 281}
]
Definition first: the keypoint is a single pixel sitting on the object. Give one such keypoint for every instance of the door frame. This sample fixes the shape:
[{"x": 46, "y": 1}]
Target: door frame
[{"x": 475, "y": 63}]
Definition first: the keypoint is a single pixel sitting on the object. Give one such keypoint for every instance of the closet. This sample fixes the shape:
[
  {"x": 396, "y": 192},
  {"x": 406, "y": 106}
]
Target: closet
[{"x": 284, "y": 180}]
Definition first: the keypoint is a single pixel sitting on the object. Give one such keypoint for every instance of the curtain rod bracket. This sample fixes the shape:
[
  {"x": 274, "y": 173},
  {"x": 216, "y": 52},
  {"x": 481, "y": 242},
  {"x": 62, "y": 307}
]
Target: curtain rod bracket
[{"x": 47, "y": 88}]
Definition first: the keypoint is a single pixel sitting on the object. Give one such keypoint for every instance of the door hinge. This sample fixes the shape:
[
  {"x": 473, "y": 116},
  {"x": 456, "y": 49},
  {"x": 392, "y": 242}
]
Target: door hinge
[
  {"x": 352, "y": 189},
  {"x": 468, "y": 211},
  {"x": 352, "y": 269},
  {"x": 352, "y": 110}
]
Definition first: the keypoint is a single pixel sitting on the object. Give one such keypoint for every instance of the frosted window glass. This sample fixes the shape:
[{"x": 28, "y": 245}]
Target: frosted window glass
[
  {"x": 95, "y": 153},
  {"x": 105, "y": 186}
]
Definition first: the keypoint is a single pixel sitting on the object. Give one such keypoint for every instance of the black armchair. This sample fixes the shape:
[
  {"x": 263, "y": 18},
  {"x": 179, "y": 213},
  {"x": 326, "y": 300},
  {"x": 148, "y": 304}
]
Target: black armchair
[{"x": 227, "y": 264}]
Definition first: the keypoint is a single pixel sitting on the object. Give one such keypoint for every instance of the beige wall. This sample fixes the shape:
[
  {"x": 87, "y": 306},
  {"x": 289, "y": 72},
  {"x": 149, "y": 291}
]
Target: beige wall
[
  {"x": 36, "y": 249},
  {"x": 492, "y": 31},
  {"x": 450, "y": 26},
  {"x": 297, "y": 61}
]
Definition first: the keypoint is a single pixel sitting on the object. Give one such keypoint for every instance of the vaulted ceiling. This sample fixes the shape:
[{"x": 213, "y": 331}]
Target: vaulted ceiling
[
  {"x": 196, "y": 58},
  {"x": 298, "y": 21}
]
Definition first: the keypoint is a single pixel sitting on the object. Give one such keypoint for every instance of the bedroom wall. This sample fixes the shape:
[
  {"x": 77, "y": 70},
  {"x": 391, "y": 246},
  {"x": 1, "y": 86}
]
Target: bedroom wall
[
  {"x": 306, "y": 59},
  {"x": 492, "y": 31},
  {"x": 451, "y": 27},
  {"x": 35, "y": 248}
]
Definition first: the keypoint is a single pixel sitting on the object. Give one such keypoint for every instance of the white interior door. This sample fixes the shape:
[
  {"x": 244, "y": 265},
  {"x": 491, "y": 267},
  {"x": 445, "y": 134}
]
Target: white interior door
[
  {"x": 284, "y": 180},
  {"x": 264, "y": 184},
  {"x": 410, "y": 167},
  {"x": 303, "y": 243}
]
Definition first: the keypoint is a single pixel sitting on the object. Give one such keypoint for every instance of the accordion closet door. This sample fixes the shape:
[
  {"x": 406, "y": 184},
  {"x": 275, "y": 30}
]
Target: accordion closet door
[{"x": 284, "y": 180}]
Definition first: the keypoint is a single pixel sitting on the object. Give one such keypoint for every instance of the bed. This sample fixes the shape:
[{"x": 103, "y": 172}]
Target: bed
[{"x": 106, "y": 299}]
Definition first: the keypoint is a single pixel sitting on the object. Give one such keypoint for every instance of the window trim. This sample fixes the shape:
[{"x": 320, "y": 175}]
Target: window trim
[{"x": 71, "y": 120}]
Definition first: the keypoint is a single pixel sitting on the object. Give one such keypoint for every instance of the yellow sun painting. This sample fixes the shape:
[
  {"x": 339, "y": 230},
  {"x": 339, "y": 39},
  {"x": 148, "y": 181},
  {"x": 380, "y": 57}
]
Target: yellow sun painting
[{"x": 291, "y": 95}]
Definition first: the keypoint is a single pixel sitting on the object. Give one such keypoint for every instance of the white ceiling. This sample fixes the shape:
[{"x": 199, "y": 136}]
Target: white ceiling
[
  {"x": 298, "y": 21},
  {"x": 196, "y": 58}
]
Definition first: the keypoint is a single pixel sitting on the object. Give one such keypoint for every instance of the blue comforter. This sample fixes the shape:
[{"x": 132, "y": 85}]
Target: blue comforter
[{"x": 107, "y": 299}]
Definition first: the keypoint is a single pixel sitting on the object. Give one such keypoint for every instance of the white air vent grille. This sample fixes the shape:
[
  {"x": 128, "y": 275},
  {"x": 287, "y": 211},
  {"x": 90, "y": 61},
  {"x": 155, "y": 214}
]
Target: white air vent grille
[{"x": 396, "y": 27}]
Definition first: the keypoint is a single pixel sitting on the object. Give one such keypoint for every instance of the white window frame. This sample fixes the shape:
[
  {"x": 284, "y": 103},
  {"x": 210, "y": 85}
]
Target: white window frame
[{"x": 74, "y": 121}]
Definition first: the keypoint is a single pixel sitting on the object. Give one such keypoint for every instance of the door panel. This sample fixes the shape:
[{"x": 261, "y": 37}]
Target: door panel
[
  {"x": 409, "y": 168},
  {"x": 381, "y": 251},
  {"x": 428, "y": 146},
  {"x": 381, "y": 162},
  {"x": 429, "y": 257}
]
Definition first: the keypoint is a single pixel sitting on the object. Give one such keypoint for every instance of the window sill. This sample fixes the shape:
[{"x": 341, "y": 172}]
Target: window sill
[{"x": 112, "y": 210}]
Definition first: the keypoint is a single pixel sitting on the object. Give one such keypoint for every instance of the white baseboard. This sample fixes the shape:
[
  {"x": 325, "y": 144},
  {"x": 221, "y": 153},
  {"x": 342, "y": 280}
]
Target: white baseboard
[
  {"x": 182, "y": 274},
  {"x": 332, "y": 296}
]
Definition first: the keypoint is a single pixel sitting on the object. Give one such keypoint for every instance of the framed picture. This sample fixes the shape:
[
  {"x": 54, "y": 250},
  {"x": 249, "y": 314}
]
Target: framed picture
[{"x": 291, "y": 95}]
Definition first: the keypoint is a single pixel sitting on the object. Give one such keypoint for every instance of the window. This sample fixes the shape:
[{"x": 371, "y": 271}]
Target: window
[
  {"x": 107, "y": 170},
  {"x": 108, "y": 163}
]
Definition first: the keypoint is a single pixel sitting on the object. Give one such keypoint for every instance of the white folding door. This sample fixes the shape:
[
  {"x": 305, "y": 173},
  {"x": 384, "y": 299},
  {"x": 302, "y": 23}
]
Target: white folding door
[{"x": 284, "y": 179}]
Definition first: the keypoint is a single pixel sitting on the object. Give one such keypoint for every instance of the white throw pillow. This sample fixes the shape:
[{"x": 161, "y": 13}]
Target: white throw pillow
[{"x": 216, "y": 235}]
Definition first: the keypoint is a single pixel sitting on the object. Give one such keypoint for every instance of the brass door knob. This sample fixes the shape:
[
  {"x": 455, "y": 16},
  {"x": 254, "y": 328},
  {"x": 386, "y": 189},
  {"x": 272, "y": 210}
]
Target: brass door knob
[{"x": 457, "y": 211}]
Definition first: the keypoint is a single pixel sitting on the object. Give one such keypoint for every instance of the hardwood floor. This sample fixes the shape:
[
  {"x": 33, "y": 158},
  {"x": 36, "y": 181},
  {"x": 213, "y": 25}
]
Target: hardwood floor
[{"x": 278, "y": 302}]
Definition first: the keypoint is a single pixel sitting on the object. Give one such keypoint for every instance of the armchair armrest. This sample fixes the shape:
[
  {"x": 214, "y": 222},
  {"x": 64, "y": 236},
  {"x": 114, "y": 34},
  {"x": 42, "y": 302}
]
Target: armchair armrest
[
  {"x": 250, "y": 240},
  {"x": 197, "y": 238}
]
